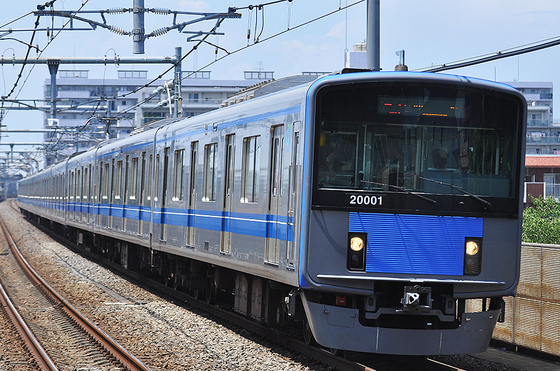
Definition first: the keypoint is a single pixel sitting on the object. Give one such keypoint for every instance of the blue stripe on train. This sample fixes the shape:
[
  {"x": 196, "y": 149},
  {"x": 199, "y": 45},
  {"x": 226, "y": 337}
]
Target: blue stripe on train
[{"x": 258, "y": 225}]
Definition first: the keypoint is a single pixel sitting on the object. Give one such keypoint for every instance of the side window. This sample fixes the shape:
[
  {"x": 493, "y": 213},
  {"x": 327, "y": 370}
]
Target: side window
[
  {"x": 210, "y": 172},
  {"x": 178, "y": 175},
  {"x": 149, "y": 181},
  {"x": 133, "y": 184},
  {"x": 251, "y": 166},
  {"x": 118, "y": 180},
  {"x": 105, "y": 194},
  {"x": 79, "y": 186},
  {"x": 71, "y": 187},
  {"x": 156, "y": 179},
  {"x": 86, "y": 185}
]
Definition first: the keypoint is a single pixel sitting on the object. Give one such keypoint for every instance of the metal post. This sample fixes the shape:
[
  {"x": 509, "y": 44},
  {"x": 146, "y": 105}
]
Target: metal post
[
  {"x": 138, "y": 27},
  {"x": 178, "y": 78},
  {"x": 373, "y": 31},
  {"x": 53, "y": 69}
]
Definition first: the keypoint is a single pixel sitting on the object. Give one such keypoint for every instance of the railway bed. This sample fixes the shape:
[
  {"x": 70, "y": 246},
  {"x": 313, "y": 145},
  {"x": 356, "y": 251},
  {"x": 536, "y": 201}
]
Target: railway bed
[
  {"x": 187, "y": 334},
  {"x": 57, "y": 336}
]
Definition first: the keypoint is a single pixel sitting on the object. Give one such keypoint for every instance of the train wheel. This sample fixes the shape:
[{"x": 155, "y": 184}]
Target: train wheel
[{"x": 307, "y": 334}]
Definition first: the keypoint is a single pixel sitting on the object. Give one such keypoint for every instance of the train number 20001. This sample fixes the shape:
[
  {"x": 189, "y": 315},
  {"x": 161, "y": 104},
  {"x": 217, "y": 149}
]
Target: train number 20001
[{"x": 364, "y": 200}]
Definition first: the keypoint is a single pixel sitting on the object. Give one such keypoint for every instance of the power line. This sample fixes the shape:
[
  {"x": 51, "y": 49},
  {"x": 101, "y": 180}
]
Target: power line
[
  {"x": 527, "y": 48},
  {"x": 237, "y": 50}
]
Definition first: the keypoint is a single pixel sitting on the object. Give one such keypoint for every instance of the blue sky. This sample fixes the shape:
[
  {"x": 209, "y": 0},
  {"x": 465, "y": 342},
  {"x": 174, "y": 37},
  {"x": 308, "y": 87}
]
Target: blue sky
[{"x": 431, "y": 32}]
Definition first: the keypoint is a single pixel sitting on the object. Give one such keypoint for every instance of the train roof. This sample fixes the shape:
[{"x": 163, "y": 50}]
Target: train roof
[{"x": 268, "y": 87}]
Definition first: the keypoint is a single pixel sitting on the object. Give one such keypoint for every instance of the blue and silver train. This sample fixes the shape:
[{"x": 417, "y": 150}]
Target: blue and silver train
[{"x": 369, "y": 206}]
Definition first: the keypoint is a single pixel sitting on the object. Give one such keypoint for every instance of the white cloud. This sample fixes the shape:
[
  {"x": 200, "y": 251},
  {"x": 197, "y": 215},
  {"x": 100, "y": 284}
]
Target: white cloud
[
  {"x": 194, "y": 5},
  {"x": 338, "y": 30}
]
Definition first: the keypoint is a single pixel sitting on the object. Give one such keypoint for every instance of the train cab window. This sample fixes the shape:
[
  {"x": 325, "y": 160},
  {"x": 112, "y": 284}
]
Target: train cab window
[
  {"x": 178, "y": 175},
  {"x": 210, "y": 172},
  {"x": 407, "y": 140},
  {"x": 251, "y": 166}
]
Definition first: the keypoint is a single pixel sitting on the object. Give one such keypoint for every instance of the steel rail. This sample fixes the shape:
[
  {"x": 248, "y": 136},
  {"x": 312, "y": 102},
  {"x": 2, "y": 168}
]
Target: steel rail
[
  {"x": 38, "y": 353},
  {"x": 114, "y": 349}
]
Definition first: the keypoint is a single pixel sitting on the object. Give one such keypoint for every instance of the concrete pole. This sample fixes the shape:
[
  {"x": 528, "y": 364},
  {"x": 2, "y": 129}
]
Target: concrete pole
[
  {"x": 178, "y": 79},
  {"x": 138, "y": 27},
  {"x": 373, "y": 31},
  {"x": 53, "y": 69}
]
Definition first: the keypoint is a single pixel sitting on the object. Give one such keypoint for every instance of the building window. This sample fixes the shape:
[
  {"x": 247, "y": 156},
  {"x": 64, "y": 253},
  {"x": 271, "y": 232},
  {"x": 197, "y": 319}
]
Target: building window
[
  {"x": 552, "y": 184},
  {"x": 73, "y": 73},
  {"x": 259, "y": 75},
  {"x": 197, "y": 74},
  {"x": 124, "y": 74},
  {"x": 193, "y": 97}
]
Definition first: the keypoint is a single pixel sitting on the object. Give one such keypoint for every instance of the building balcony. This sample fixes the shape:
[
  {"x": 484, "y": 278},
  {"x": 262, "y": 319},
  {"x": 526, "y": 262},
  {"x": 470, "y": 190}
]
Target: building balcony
[
  {"x": 543, "y": 140},
  {"x": 538, "y": 122}
]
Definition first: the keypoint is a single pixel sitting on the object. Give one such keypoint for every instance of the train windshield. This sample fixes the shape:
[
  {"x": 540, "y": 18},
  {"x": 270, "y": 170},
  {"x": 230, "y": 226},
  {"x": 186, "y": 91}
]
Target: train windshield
[{"x": 419, "y": 139}]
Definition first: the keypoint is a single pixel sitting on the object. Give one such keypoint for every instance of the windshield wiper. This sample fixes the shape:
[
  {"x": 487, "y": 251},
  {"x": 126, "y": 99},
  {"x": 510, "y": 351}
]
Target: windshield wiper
[
  {"x": 460, "y": 189},
  {"x": 402, "y": 189}
]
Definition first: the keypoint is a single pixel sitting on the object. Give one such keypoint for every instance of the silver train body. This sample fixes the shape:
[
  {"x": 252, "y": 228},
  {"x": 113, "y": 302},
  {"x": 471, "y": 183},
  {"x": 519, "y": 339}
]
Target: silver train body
[{"x": 370, "y": 206}]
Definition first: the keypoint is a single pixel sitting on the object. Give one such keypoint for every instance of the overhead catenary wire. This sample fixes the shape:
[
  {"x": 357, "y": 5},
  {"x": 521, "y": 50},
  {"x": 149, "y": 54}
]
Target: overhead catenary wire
[
  {"x": 523, "y": 49},
  {"x": 133, "y": 107}
]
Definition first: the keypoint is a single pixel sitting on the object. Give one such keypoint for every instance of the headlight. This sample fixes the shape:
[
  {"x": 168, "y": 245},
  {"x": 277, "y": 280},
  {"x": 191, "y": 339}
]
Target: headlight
[
  {"x": 356, "y": 251},
  {"x": 471, "y": 248},
  {"x": 356, "y": 243},
  {"x": 473, "y": 256}
]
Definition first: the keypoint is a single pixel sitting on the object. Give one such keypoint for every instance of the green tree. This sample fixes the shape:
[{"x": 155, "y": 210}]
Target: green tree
[{"x": 541, "y": 223}]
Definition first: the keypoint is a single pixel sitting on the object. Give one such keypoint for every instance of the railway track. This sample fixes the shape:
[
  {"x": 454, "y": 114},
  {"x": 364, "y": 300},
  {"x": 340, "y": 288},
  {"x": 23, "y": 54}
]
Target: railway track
[
  {"x": 283, "y": 339},
  {"x": 57, "y": 335}
]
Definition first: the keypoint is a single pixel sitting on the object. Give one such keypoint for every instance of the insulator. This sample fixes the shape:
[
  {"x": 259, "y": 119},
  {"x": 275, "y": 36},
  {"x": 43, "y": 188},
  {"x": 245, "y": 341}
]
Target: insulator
[
  {"x": 160, "y": 32},
  {"x": 118, "y": 30},
  {"x": 160, "y": 11},
  {"x": 117, "y": 10}
]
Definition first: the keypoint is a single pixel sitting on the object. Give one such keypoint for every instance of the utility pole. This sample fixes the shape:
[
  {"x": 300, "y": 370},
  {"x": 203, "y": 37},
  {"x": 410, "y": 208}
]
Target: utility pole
[
  {"x": 373, "y": 37},
  {"x": 178, "y": 79},
  {"x": 138, "y": 27},
  {"x": 53, "y": 69}
]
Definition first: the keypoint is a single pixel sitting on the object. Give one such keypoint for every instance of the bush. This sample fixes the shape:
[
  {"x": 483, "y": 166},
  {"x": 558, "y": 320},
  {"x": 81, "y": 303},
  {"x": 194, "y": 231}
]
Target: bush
[{"x": 541, "y": 223}]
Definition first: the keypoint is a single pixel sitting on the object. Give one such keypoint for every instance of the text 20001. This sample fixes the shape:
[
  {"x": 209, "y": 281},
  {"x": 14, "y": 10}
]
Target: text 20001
[{"x": 363, "y": 200}]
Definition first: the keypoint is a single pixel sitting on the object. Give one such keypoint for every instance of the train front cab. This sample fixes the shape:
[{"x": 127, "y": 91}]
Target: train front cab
[{"x": 412, "y": 207}]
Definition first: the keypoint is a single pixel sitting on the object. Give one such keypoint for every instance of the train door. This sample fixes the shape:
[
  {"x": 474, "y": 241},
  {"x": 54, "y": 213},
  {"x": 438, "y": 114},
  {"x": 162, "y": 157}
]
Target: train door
[
  {"x": 99, "y": 194},
  {"x": 275, "y": 196},
  {"x": 79, "y": 182},
  {"x": 192, "y": 193},
  {"x": 111, "y": 194},
  {"x": 142, "y": 195},
  {"x": 228, "y": 194},
  {"x": 71, "y": 203},
  {"x": 85, "y": 197},
  {"x": 163, "y": 227},
  {"x": 292, "y": 195}
]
